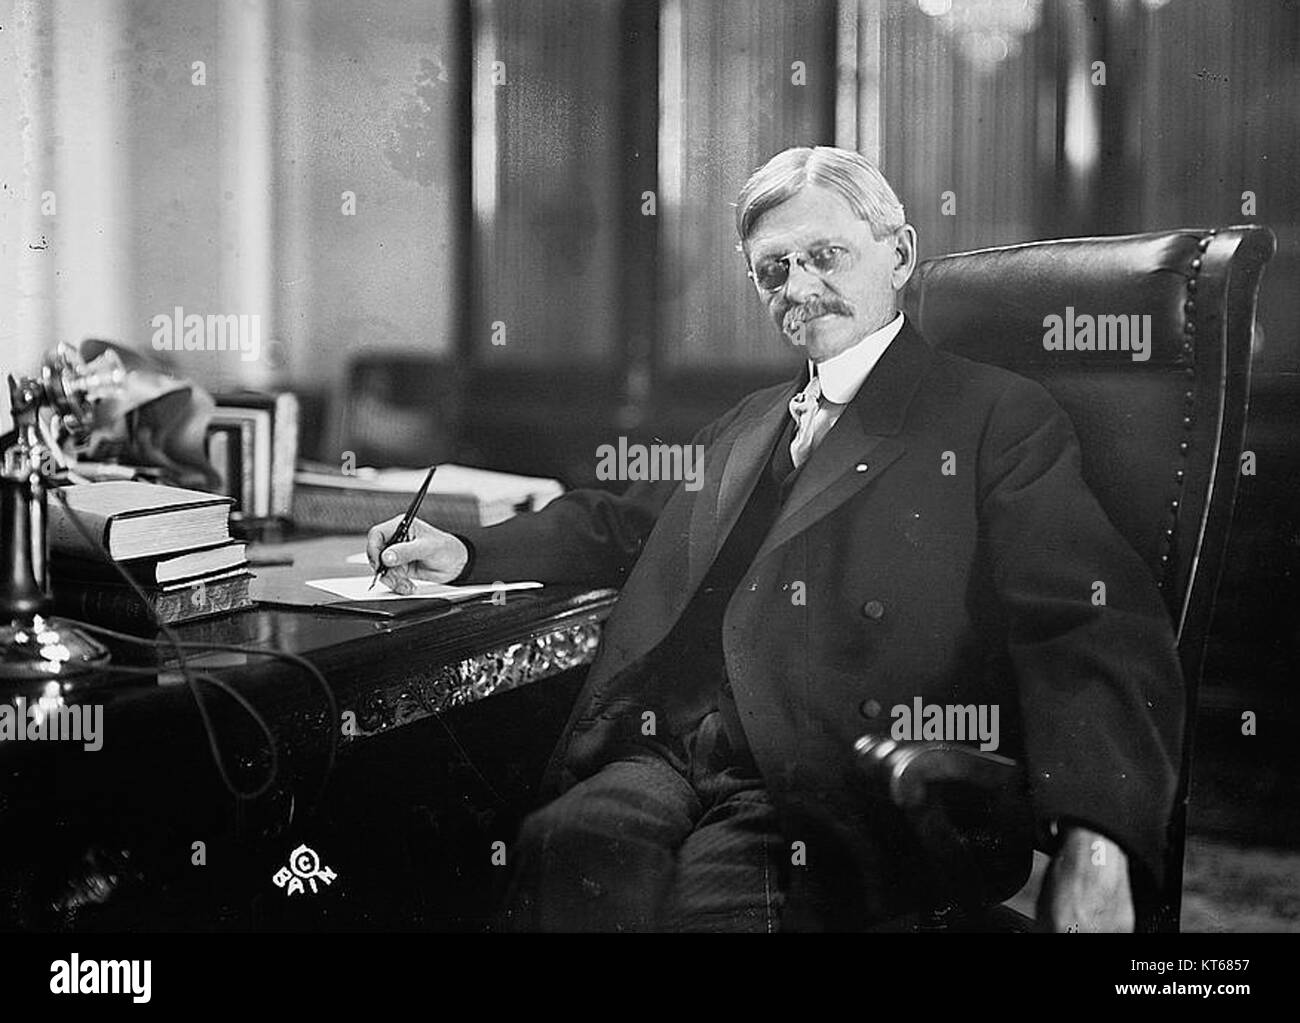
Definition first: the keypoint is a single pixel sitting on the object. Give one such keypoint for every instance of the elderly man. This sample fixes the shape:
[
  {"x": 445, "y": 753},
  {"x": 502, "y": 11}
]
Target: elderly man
[{"x": 897, "y": 527}]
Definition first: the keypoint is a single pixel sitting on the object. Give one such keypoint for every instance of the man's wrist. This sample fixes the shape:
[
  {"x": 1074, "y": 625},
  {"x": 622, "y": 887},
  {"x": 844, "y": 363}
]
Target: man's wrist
[
  {"x": 1054, "y": 832},
  {"x": 1081, "y": 838},
  {"x": 468, "y": 568}
]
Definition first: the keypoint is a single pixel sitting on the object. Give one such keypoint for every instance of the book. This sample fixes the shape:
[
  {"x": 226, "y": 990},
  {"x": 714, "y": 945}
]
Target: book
[
  {"x": 254, "y": 426},
  {"x": 459, "y": 497},
  {"x": 272, "y": 418},
  {"x": 219, "y": 457},
  {"x": 129, "y": 520},
  {"x": 179, "y": 568},
  {"x": 118, "y": 606},
  {"x": 227, "y": 443}
]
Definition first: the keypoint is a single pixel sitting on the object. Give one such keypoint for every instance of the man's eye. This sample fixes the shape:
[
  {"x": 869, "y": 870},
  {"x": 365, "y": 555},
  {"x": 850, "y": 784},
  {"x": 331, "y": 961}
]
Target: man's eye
[
  {"x": 770, "y": 273},
  {"x": 830, "y": 258}
]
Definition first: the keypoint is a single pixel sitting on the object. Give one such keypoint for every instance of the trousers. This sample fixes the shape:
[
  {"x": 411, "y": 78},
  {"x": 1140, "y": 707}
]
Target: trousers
[
  {"x": 679, "y": 838},
  {"x": 674, "y": 833}
]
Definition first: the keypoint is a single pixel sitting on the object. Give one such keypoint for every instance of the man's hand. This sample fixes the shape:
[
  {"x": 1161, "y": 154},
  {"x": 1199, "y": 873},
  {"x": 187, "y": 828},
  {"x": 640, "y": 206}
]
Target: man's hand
[
  {"x": 1086, "y": 887},
  {"x": 429, "y": 554}
]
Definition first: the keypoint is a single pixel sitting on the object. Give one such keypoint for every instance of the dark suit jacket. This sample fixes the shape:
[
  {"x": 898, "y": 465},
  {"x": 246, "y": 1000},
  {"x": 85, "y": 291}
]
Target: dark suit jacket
[{"x": 971, "y": 586}]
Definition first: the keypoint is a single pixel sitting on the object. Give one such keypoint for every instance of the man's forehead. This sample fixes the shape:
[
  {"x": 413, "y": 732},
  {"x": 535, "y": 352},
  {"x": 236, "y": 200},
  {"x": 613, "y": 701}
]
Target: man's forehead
[{"x": 812, "y": 214}]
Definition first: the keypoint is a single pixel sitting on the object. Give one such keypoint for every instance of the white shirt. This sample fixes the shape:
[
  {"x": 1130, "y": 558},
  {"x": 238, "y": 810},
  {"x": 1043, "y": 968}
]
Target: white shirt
[{"x": 842, "y": 375}]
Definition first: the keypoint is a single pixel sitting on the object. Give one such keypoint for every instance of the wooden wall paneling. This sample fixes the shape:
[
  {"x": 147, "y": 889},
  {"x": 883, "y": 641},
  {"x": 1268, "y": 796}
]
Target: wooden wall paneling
[
  {"x": 549, "y": 251},
  {"x": 739, "y": 106},
  {"x": 1220, "y": 115},
  {"x": 950, "y": 125}
]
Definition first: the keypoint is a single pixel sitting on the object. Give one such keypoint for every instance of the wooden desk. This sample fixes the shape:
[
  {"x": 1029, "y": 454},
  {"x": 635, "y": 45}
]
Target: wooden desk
[{"x": 415, "y": 734}]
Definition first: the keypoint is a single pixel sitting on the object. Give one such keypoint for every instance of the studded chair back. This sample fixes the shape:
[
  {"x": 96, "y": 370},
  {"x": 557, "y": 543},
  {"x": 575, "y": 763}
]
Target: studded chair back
[{"x": 1145, "y": 340}]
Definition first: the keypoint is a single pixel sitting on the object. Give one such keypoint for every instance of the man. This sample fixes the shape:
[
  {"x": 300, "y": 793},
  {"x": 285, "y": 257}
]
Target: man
[{"x": 898, "y": 523}]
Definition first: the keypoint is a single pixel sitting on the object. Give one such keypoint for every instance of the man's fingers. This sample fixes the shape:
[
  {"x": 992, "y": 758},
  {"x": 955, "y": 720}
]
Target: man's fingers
[
  {"x": 398, "y": 580},
  {"x": 429, "y": 554},
  {"x": 374, "y": 545},
  {"x": 378, "y": 537},
  {"x": 408, "y": 551}
]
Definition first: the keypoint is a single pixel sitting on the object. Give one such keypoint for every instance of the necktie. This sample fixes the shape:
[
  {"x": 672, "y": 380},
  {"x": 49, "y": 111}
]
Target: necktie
[{"x": 803, "y": 407}]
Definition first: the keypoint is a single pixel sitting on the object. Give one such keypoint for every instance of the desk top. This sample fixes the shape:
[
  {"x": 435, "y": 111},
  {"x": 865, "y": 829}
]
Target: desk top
[
  {"x": 156, "y": 783},
  {"x": 383, "y": 672}
]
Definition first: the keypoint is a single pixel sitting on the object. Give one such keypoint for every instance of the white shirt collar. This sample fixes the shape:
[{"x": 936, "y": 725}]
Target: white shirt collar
[{"x": 842, "y": 375}]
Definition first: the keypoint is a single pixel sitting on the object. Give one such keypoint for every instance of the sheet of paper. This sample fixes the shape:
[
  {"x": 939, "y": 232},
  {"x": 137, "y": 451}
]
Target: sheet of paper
[
  {"x": 357, "y": 587},
  {"x": 358, "y": 559}
]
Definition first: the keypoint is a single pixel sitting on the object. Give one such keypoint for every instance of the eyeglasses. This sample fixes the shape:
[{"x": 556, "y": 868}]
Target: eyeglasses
[{"x": 772, "y": 273}]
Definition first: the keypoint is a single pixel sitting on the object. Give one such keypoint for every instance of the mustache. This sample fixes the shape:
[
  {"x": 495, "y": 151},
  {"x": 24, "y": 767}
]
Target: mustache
[{"x": 793, "y": 316}]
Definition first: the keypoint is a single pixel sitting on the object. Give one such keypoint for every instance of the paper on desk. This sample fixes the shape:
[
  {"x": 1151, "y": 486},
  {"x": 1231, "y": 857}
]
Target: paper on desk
[{"x": 357, "y": 587}]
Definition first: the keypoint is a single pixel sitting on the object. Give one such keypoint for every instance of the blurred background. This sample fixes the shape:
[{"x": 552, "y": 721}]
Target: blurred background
[{"x": 501, "y": 232}]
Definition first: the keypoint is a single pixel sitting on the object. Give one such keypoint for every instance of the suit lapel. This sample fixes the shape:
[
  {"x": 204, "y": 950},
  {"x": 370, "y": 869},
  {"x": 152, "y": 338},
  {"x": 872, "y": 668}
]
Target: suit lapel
[
  {"x": 743, "y": 460},
  {"x": 864, "y": 436},
  {"x": 862, "y": 443}
]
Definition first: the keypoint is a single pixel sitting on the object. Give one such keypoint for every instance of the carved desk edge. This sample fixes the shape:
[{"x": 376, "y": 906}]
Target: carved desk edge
[{"x": 563, "y": 641}]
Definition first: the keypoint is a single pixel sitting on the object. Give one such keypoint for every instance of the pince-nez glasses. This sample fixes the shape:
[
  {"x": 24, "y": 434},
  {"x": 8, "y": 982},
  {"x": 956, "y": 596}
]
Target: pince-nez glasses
[{"x": 772, "y": 272}]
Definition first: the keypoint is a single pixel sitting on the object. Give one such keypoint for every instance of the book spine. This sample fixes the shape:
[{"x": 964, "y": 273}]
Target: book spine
[
  {"x": 103, "y": 605},
  {"x": 118, "y": 606},
  {"x": 332, "y": 508},
  {"x": 84, "y": 570},
  {"x": 284, "y": 436},
  {"x": 66, "y": 538}
]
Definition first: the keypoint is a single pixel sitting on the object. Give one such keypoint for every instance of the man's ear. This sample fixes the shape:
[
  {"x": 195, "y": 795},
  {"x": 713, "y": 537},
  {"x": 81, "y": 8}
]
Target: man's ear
[{"x": 904, "y": 256}]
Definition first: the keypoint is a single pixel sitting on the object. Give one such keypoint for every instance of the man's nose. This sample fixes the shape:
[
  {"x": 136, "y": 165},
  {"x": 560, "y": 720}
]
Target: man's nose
[{"x": 802, "y": 284}]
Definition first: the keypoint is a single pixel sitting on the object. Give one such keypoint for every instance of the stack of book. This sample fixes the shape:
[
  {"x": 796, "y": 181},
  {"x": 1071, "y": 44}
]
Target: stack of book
[{"x": 175, "y": 544}]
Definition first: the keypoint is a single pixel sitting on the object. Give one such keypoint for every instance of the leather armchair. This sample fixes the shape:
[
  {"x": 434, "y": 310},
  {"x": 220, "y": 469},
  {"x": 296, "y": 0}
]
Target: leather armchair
[{"x": 1161, "y": 442}]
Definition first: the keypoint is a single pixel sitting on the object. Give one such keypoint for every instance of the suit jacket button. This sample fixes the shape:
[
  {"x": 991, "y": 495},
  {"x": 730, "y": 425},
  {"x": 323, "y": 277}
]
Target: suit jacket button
[
  {"x": 873, "y": 609},
  {"x": 870, "y": 708}
]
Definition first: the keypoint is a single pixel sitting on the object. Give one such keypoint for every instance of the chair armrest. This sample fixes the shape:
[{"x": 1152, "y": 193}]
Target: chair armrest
[
  {"x": 908, "y": 770},
  {"x": 968, "y": 811}
]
